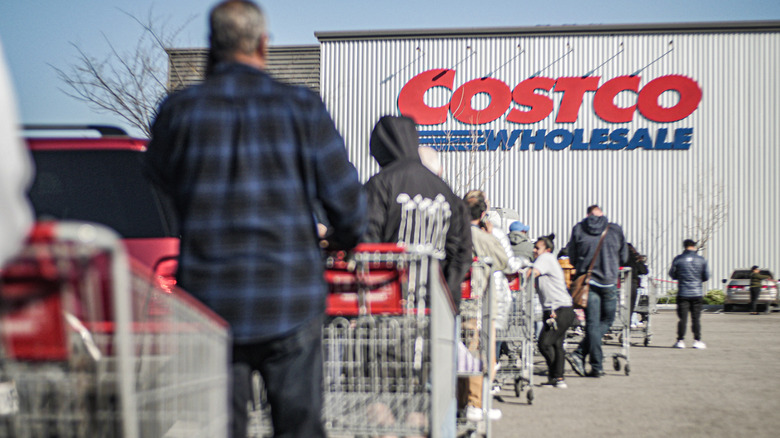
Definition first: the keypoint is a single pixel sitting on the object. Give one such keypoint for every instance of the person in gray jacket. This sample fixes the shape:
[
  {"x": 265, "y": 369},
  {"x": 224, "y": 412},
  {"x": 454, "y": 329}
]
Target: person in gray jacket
[
  {"x": 602, "y": 298},
  {"x": 558, "y": 312},
  {"x": 522, "y": 246},
  {"x": 690, "y": 270}
]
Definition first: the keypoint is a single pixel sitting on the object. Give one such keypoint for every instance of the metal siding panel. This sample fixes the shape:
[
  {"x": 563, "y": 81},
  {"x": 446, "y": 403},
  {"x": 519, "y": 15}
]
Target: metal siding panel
[{"x": 656, "y": 196}]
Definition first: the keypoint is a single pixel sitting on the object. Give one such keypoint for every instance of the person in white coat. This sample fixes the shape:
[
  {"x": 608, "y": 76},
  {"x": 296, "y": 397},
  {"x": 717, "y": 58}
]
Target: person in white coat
[{"x": 16, "y": 172}]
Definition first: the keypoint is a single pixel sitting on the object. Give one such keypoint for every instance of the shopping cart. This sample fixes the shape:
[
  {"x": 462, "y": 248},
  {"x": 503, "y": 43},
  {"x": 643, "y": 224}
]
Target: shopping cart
[
  {"x": 646, "y": 307},
  {"x": 620, "y": 332},
  {"x": 390, "y": 322},
  {"x": 92, "y": 346},
  {"x": 374, "y": 346},
  {"x": 477, "y": 334},
  {"x": 517, "y": 365}
]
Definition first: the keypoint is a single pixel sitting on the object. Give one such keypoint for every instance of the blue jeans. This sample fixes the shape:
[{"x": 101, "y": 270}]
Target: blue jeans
[{"x": 599, "y": 316}]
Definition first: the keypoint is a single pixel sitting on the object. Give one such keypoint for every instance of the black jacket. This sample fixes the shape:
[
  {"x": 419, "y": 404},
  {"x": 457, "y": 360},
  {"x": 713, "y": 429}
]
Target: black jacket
[
  {"x": 690, "y": 270},
  {"x": 582, "y": 245},
  {"x": 394, "y": 143},
  {"x": 638, "y": 267}
]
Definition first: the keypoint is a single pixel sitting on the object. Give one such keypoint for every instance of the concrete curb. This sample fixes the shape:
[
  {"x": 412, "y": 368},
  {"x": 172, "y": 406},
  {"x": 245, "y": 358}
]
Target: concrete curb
[{"x": 706, "y": 307}]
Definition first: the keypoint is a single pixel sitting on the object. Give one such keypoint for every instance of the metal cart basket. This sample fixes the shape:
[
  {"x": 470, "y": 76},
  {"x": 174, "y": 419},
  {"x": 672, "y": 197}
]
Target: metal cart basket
[
  {"x": 517, "y": 366},
  {"x": 92, "y": 346},
  {"x": 620, "y": 332},
  {"x": 390, "y": 322}
]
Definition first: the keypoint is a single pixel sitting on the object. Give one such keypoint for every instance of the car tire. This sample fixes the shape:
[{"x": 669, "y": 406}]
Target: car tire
[{"x": 728, "y": 307}]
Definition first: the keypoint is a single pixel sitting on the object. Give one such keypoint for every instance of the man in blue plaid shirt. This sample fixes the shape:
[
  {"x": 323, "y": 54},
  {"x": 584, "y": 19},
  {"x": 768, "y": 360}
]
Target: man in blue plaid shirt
[{"x": 247, "y": 161}]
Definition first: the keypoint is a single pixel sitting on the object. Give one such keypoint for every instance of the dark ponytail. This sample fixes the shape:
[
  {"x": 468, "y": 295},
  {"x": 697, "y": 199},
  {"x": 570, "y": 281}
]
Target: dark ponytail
[{"x": 548, "y": 241}]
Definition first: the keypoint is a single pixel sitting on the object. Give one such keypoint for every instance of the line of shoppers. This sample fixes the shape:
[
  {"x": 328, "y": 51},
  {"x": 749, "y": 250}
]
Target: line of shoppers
[{"x": 250, "y": 163}]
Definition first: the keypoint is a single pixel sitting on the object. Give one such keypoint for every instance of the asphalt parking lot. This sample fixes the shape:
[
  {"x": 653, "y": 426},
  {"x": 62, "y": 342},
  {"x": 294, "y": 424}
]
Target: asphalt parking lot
[{"x": 730, "y": 389}]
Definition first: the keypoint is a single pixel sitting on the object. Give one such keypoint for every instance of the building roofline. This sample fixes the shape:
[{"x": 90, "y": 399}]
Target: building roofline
[
  {"x": 564, "y": 30},
  {"x": 285, "y": 48}
]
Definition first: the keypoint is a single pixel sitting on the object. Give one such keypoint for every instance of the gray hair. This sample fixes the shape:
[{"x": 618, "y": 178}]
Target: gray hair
[
  {"x": 237, "y": 26},
  {"x": 430, "y": 158}
]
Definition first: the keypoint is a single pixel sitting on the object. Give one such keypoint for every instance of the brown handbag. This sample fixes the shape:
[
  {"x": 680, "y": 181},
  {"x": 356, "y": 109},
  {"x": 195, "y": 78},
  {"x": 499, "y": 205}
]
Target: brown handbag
[{"x": 581, "y": 285}]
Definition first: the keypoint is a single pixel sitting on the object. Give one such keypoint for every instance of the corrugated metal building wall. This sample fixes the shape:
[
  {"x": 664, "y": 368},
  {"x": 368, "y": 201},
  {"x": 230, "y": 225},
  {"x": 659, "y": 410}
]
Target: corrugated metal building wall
[{"x": 660, "y": 197}]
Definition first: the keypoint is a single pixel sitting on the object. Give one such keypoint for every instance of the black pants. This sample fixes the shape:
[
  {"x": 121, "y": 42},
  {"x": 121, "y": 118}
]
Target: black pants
[
  {"x": 692, "y": 305},
  {"x": 551, "y": 341},
  {"x": 291, "y": 368},
  {"x": 634, "y": 293},
  {"x": 754, "y": 293}
]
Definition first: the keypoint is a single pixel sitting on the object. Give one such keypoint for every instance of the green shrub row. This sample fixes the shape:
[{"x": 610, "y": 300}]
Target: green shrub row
[{"x": 714, "y": 296}]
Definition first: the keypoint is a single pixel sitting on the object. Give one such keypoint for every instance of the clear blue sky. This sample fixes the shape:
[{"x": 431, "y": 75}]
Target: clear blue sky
[{"x": 37, "y": 33}]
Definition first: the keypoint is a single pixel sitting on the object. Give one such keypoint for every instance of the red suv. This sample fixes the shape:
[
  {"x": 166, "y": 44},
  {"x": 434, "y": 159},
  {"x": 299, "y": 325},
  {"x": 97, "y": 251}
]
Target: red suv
[{"x": 101, "y": 179}]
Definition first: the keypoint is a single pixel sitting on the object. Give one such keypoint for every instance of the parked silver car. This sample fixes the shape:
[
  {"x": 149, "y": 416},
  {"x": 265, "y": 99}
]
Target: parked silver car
[{"x": 738, "y": 291}]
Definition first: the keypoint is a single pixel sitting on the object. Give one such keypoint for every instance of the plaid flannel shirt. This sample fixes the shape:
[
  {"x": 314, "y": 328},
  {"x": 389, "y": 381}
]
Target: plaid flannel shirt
[{"x": 247, "y": 160}]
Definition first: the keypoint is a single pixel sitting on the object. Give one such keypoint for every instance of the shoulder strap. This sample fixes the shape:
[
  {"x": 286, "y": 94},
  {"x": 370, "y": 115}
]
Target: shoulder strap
[{"x": 598, "y": 248}]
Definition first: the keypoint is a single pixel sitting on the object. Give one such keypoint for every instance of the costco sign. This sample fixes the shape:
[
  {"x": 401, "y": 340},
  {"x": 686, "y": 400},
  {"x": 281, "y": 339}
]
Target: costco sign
[{"x": 525, "y": 105}]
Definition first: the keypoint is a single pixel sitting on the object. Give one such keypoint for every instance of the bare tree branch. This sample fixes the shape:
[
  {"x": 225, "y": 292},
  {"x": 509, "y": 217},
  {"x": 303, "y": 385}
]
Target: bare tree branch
[{"x": 128, "y": 85}]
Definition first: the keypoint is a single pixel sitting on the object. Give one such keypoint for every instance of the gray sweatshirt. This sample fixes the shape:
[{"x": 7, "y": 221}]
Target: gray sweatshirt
[{"x": 551, "y": 285}]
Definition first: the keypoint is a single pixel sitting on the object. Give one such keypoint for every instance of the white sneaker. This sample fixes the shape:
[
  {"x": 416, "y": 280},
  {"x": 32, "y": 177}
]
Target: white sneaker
[
  {"x": 680, "y": 344},
  {"x": 474, "y": 414},
  {"x": 699, "y": 344}
]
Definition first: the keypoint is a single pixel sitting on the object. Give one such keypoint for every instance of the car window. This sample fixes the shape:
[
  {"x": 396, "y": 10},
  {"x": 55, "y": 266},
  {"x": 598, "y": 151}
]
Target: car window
[
  {"x": 103, "y": 186},
  {"x": 745, "y": 274},
  {"x": 740, "y": 275}
]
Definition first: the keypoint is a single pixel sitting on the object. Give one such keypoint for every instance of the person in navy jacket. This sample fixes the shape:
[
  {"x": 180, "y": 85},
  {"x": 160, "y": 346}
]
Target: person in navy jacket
[{"x": 690, "y": 270}]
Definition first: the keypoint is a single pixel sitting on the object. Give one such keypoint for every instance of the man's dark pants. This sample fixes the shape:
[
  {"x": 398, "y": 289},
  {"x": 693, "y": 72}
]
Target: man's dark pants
[
  {"x": 291, "y": 368},
  {"x": 754, "y": 294},
  {"x": 599, "y": 316},
  {"x": 692, "y": 305}
]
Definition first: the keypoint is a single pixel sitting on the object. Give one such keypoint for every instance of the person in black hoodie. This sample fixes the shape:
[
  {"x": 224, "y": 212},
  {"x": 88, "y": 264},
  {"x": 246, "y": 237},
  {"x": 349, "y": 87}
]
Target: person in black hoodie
[
  {"x": 394, "y": 145},
  {"x": 602, "y": 299}
]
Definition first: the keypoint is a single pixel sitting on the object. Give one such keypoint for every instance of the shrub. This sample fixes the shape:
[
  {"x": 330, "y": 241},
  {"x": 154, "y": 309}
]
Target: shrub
[
  {"x": 715, "y": 296},
  {"x": 669, "y": 298}
]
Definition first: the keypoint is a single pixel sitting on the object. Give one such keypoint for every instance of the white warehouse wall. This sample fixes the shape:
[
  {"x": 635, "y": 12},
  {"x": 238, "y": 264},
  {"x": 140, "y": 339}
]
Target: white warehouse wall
[{"x": 660, "y": 197}]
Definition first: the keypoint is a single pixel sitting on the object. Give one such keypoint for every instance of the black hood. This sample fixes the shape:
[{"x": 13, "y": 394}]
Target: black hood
[
  {"x": 594, "y": 225},
  {"x": 394, "y": 138}
]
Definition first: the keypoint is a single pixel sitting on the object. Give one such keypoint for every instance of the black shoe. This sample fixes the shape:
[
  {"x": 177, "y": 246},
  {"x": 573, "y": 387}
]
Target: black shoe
[
  {"x": 576, "y": 364},
  {"x": 595, "y": 373}
]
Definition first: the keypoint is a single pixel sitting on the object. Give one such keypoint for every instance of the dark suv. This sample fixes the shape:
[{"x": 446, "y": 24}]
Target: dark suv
[{"x": 101, "y": 179}]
